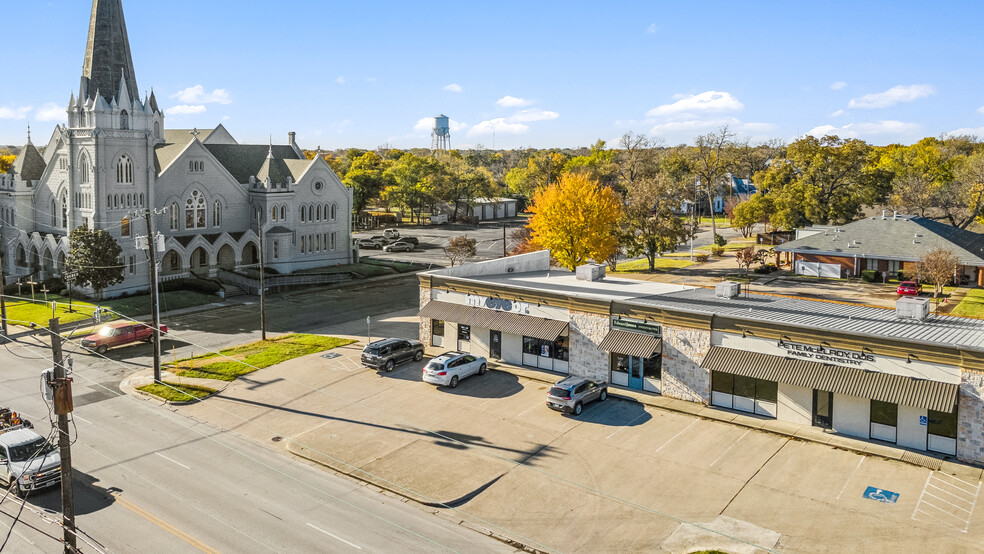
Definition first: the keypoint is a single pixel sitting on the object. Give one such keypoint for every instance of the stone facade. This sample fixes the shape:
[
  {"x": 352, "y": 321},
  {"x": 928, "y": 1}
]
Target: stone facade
[
  {"x": 425, "y": 322},
  {"x": 683, "y": 353},
  {"x": 970, "y": 418},
  {"x": 587, "y": 331}
]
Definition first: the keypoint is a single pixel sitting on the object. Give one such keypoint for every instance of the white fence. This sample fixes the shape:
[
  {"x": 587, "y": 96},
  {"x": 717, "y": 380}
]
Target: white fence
[{"x": 817, "y": 269}]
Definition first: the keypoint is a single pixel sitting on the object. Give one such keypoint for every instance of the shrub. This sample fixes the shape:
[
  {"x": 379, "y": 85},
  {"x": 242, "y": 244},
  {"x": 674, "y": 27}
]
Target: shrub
[
  {"x": 766, "y": 268},
  {"x": 903, "y": 277},
  {"x": 717, "y": 251},
  {"x": 869, "y": 275},
  {"x": 53, "y": 284},
  {"x": 701, "y": 257},
  {"x": 719, "y": 240},
  {"x": 188, "y": 283}
]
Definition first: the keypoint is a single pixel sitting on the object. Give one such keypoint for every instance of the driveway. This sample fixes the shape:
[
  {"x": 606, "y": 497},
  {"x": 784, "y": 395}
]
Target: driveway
[{"x": 624, "y": 476}]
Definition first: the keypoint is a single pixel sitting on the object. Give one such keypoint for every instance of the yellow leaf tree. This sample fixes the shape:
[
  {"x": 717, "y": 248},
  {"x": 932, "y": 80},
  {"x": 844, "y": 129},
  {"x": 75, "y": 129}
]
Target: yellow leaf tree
[{"x": 574, "y": 218}]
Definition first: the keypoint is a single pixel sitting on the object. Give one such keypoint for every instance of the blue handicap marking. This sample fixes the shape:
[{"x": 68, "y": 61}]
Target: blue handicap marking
[
  {"x": 923, "y": 420},
  {"x": 881, "y": 495}
]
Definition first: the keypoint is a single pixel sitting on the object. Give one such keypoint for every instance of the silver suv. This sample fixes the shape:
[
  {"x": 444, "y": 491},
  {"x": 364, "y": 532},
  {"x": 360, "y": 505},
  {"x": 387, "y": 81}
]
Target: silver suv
[
  {"x": 571, "y": 394},
  {"x": 387, "y": 353}
]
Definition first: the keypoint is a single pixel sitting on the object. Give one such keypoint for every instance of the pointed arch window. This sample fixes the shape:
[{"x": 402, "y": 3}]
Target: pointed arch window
[
  {"x": 217, "y": 214},
  {"x": 84, "y": 169},
  {"x": 283, "y": 213},
  {"x": 333, "y": 214},
  {"x": 303, "y": 214},
  {"x": 195, "y": 211},
  {"x": 64, "y": 210},
  {"x": 124, "y": 170},
  {"x": 124, "y": 120},
  {"x": 54, "y": 213},
  {"x": 174, "y": 216},
  {"x": 157, "y": 130},
  {"x": 319, "y": 212}
]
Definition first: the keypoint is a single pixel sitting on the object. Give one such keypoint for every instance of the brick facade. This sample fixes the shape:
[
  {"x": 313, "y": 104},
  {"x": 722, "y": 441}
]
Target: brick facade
[
  {"x": 425, "y": 322},
  {"x": 587, "y": 331},
  {"x": 683, "y": 352},
  {"x": 970, "y": 418}
]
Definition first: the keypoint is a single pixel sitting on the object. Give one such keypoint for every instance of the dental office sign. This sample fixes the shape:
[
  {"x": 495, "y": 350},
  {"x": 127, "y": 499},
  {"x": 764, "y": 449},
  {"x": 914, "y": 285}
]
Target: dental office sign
[
  {"x": 826, "y": 354},
  {"x": 498, "y": 304}
]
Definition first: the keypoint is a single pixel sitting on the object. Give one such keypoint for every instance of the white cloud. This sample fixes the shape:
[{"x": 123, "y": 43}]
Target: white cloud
[
  {"x": 838, "y": 85},
  {"x": 185, "y": 109},
  {"x": 498, "y": 125},
  {"x": 895, "y": 95},
  {"x": 197, "y": 95},
  {"x": 692, "y": 125},
  {"x": 532, "y": 115},
  {"x": 965, "y": 131},
  {"x": 370, "y": 79},
  {"x": 980, "y": 110},
  {"x": 426, "y": 125},
  {"x": 854, "y": 130},
  {"x": 821, "y": 131},
  {"x": 513, "y": 102},
  {"x": 15, "y": 113},
  {"x": 454, "y": 87},
  {"x": 838, "y": 113},
  {"x": 51, "y": 112},
  {"x": 705, "y": 102},
  {"x": 652, "y": 29},
  {"x": 340, "y": 80}
]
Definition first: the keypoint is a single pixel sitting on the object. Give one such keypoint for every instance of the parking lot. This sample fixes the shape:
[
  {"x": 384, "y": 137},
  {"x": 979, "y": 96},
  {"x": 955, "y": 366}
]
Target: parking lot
[
  {"x": 433, "y": 239},
  {"x": 624, "y": 476}
]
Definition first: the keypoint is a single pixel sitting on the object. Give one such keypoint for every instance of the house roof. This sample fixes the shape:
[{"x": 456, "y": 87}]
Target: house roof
[
  {"x": 903, "y": 237},
  {"x": 245, "y": 160},
  {"x": 29, "y": 165}
]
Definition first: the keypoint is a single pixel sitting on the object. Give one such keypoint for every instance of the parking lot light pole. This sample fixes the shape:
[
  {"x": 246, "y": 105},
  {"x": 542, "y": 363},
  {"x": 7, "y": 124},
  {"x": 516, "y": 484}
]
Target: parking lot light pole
[{"x": 368, "y": 330}]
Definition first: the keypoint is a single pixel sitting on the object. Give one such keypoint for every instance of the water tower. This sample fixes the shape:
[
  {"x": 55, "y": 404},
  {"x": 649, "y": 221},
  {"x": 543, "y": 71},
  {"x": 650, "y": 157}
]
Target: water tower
[{"x": 441, "y": 136}]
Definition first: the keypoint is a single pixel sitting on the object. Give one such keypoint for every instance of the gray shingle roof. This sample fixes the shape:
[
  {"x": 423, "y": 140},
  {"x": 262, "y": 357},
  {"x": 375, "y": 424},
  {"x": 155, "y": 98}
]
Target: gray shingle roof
[
  {"x": 906, "y": 238},
  {"x": 245, "y": 160},
  {"x": 107, "y": 52},
  {"x": 29, "y": 165}
]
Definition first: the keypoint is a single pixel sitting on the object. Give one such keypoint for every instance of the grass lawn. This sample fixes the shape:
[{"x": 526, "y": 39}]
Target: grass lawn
[
  {"x": 971, "y": 305},
  {"x": 662, "y": 264},
  {"x": 247, "y": 358},
  {"x": 176, "y": 392},
  {"x": 23, "y": 312}
]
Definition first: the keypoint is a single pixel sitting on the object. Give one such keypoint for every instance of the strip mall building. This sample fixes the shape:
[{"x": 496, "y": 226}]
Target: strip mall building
[{"x": 856, "y": 370}]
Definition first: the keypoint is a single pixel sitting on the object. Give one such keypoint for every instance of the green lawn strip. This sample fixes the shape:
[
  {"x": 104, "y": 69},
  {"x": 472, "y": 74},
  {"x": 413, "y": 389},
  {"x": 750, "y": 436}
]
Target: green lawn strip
[
  {"x": 176, "y": 392},
  {"x": 972, "y": 304},
  {"x": 174, "y": 300},
  {"x": 732, "y": 246},
  {"x": 247, "y": 358},
  {"x": 662, "y": 264},
  {"x": 25, "y": 312}
]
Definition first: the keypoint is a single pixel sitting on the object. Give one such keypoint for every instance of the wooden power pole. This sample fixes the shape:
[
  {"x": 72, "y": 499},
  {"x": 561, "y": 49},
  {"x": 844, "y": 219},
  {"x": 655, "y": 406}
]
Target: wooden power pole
[
  {"x": 152, "y": 245},
  {"x": 262, "y": 290},
  {"x": 62, "y": 386}
]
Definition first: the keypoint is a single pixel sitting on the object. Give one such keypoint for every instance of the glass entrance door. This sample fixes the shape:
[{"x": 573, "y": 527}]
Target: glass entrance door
[
  {"x": 823, "y": 409},
  {"x": 495, "y": 344},
  {"x": 635, "y": 373}
]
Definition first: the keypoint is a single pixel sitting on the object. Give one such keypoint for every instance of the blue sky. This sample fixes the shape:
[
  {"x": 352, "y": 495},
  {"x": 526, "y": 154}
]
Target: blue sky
[{"x": 537, "y": 73}]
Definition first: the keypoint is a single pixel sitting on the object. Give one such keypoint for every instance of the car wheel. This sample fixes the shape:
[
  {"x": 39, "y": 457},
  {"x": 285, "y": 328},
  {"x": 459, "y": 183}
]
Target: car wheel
[
  {"x": 578, "y": 408},
  {"x": 389, "y": 366},
  {"x": 15, "y": 488},
  {"x": 482, "y": 369},
  {"x": 101, "y": 349},
  {"x": 603, "y": 396},
  {"x": 454, "y": 382},
  {"x": 419, "y": 355}
]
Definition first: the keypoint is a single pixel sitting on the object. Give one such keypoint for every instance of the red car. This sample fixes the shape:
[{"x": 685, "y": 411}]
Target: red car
[
  {"x": 118, "y": 334},
  {"x": 908, "y": 288}
]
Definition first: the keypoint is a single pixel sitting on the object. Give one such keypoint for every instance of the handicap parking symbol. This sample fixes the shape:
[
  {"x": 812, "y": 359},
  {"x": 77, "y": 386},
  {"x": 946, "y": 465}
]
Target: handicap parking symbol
[
  {"x": 331, "y": 355},
  {"x": 881, "y": 495}
]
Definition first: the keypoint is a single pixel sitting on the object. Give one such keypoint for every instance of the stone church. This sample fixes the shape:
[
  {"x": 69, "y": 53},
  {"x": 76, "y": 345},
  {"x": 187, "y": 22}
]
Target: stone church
[{"x": 115, "y": 159}]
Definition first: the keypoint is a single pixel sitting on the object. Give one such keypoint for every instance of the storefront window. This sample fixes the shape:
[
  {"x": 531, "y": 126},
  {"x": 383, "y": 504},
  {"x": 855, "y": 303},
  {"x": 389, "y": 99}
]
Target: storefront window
[
  {"x": 745, "y": 386},
  {"x": 546, "y": 349},
  {"x": 943, "y": 424},
  {"x": 766, "y": 391},
  {"x": 560, "y": 348},
  {"x": 722, "y": 382},
  {"x": 884, "y": 413},
  {"x": 620, "y": 363},
  {"x": 652, "y": 367},
  {"x": 437, "y": 327},
  {"x": 531, "y": 346},
  {"x": 748, "y": 387},
  {"x": 464, "y": 332}
]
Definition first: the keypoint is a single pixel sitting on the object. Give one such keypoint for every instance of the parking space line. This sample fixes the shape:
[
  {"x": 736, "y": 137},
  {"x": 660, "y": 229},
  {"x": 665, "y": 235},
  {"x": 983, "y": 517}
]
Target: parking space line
[
  {"x": 947, "y": 502},
  {"x": 849, "y": 477},
  {"x": 535, "y": 406},
  {"x": 951, "y": 493},
  {"x": 944, "y": 506},
  {"x": 728, "y": 449},
  {"x": 684, "y": 430},
  {"x": 629, "y": 424}
]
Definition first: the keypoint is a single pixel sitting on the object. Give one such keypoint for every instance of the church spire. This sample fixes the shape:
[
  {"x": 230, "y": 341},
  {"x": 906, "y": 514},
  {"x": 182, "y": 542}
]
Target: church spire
[{"x": 107, "y": 52}]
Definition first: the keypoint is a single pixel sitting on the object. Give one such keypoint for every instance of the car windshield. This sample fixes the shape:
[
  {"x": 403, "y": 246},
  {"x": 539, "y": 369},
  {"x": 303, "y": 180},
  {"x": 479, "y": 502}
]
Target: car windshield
[
  {"x": 33, "y": 449},
  {"x": 106, "y": 331},
  {"x": 557, "y": 391}
]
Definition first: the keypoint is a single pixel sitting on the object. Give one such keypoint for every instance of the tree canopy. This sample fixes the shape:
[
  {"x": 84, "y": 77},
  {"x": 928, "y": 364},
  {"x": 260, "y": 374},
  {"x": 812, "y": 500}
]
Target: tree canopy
[{"x": 95, "y": 257}]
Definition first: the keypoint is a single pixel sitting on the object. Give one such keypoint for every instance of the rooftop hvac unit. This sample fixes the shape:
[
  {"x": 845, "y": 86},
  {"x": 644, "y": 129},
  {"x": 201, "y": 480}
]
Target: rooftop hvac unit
[
  {"x": 912, "y": 308},
  {"x": 590, "y": 272},
  {"x": 727, "y": 289}
]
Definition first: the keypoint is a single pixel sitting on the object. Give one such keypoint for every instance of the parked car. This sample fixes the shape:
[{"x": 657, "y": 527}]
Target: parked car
[
  {"x": 119, "y": 334},
  {"x": 908, "y": 288},
  {"x": 370, "y": 243},
  {"x": 388, "y": 353},
  {"x": 398, "y": 247},
  {"x": 391, "y": 234},
  {"x": 412, "y": 240},
  {"x": 449, "y": 368},
  {"x": 570, "y": 395}
]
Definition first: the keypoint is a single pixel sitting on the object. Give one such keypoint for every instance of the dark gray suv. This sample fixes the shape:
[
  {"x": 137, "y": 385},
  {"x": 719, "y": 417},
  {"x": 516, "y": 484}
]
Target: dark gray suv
[
  {"x": 387, "y": 353},
  {"x": 571, "y": 394}
]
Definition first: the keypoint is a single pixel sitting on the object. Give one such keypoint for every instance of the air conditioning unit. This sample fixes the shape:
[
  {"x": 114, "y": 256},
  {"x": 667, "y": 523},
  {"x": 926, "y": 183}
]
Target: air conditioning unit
[
  {"x": 590, "y": 272},
  {"x": 727, "y": 289},
  {"x": 916, "y": 309}
]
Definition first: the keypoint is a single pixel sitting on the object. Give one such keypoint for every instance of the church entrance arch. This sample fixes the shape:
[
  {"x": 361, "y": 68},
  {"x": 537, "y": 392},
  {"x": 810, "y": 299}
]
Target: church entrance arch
[
  {"x": 171, "y": 263},
  {"x": 61, "y": 262},
  {"x": 48, "y": 263},
  {"x": 251, "y": 254},
  {"x": 35, "y": 264},
  {"x": 227, "y": 257},
  {"x": 199, "y": 261}
]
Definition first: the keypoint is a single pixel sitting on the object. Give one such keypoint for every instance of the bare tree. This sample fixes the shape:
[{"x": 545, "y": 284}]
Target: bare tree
[
  {"x": 712, "y": 157},
  {"x": 745, "y": 257},
  {"x": 460, "y": 248},
  {"x": 938, "y": 266}
]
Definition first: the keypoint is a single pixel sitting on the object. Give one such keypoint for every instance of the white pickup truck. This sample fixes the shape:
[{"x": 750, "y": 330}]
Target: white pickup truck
[{"x": 28, "y": 462}]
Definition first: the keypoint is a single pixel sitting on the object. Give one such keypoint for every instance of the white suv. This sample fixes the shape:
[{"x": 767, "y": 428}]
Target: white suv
[{"x": 449, "y": 368}]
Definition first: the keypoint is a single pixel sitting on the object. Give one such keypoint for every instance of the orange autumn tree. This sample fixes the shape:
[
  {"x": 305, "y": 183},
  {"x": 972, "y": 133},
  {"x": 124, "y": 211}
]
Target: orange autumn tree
[{"x": 574, "y": 218}]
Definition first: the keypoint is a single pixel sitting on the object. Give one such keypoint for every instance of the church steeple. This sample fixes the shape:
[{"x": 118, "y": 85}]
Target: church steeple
[{"x": 107, "y": 53}]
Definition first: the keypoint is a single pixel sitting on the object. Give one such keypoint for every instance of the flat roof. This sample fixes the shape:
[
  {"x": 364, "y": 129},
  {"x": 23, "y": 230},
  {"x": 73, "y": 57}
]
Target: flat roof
[{"x": 766, "y": 308}]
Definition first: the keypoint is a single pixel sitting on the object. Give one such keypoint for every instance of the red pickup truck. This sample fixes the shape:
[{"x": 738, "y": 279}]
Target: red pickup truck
[{"x": 118, "y": 334}]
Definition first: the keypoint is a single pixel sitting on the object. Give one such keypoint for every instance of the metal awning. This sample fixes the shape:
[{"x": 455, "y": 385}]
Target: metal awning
[
  {"x": 633, "y": 344},
  {"x": 517, "y": 324},
  {"x": 886, "y": 387}
]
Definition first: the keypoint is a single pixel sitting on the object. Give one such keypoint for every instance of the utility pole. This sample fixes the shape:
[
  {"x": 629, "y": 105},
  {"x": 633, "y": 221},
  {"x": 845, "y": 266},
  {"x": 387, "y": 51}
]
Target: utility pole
[
  {"x": 262, "y": 291},
  {"x": 3, "y": 303},
  {"x": 155, "y": 308},
  {"x": 62, "y": 386},
  {"x": 503, "y": 239}
]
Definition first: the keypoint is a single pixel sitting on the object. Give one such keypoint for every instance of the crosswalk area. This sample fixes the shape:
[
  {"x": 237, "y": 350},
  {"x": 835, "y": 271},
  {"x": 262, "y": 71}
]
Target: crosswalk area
[{"x": 947, "y": 500}]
